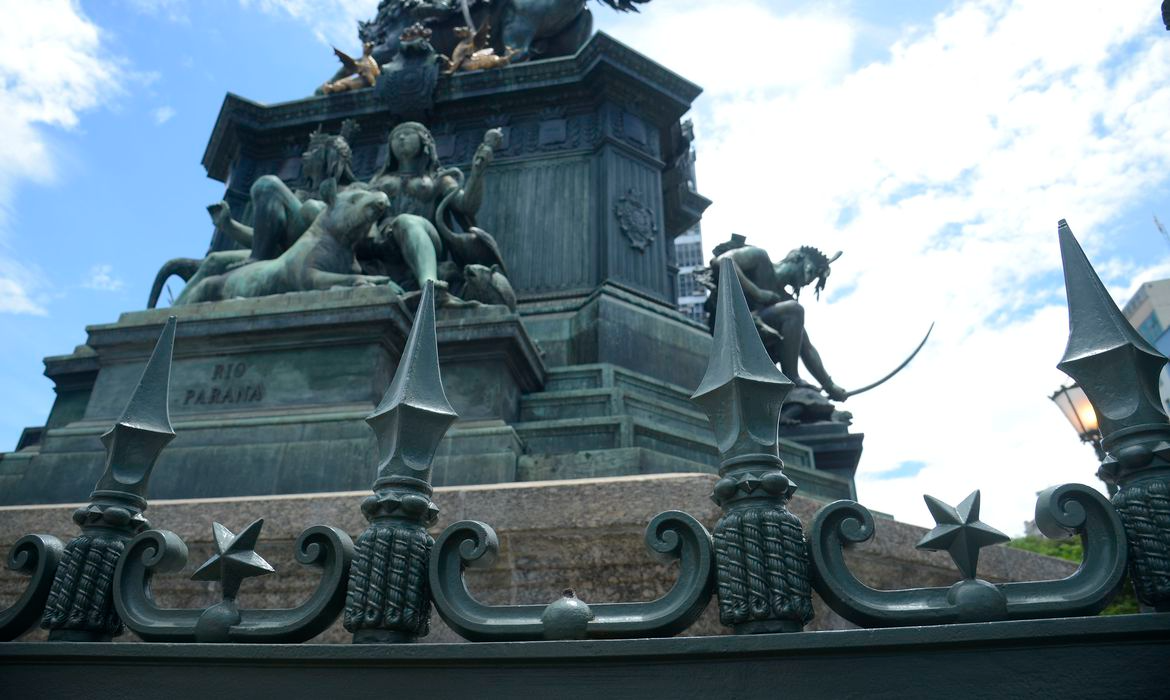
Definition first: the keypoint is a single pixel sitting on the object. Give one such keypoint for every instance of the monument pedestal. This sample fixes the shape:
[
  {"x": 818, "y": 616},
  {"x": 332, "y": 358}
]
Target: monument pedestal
[
  {"x": 269, "y": 395},
  {"x": 835, "y": 450},
  {"x": 589, "y": 186}
]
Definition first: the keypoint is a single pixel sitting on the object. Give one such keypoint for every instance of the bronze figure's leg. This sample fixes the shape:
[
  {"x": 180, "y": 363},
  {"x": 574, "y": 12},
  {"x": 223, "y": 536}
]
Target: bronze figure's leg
[
  {"x": 787, "y": 318},
  {"x": 275, "y": 207},
  {"x": 327, "y": 280},
  {"x": 518, "y": 34},
  {"x": 419, "y": 242}
]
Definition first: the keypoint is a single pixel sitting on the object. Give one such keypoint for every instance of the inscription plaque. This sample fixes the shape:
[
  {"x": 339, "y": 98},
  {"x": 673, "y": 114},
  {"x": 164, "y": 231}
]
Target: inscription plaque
[{"x": 228, "y": 384}]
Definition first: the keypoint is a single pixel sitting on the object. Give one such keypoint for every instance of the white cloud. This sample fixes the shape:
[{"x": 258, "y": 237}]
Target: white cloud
[
  {"x": 163, "y": 114},
  {"x": 173, "y": 10},
  {"x": 102, "y": 278},
  {"x": 766, "y": 51},
  {"x": 941, "y": 171},
  {"x": 52, "y": 67},
  {"x": 334, "y": 22},
  {"x": 20, "y": 289}
]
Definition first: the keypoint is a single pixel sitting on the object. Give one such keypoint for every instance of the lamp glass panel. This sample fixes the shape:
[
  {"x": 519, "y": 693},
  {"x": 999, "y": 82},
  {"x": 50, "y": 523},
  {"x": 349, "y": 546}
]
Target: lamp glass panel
[
  {"x": 1065, "y": 403},
  {"x": 1076, "y": 407},
  {"x": 1084, "y": 409}
]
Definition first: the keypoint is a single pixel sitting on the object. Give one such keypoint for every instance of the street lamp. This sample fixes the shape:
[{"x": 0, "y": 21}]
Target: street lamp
[{"x": 1075, "y": 405}]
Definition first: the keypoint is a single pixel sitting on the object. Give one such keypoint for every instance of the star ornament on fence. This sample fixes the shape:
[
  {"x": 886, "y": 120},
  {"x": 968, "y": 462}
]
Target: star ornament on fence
[
  {"x": 960, "y": 532},
  {"x": 235, "y": 559}
]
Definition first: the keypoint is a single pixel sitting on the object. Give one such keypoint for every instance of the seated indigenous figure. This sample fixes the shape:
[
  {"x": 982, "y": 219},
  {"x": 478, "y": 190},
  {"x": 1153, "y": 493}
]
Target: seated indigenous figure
[
  {"x": 422, "y": 193},
  {"x": 279, "y": 214},
  {"x": 773, "y": 291},
  {"x": 321, "y": 258}
]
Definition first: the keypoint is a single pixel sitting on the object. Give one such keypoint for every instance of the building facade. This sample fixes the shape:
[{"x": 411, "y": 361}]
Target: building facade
[
  {"x": 688, "y": 251},
  {"x": 688, "y": 247},
  {"x": 1149, "y": 312}
]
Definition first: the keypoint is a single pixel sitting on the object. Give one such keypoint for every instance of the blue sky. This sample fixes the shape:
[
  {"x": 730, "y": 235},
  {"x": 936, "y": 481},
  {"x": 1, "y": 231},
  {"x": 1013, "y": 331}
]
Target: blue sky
[{"x": 937, "y": 143}]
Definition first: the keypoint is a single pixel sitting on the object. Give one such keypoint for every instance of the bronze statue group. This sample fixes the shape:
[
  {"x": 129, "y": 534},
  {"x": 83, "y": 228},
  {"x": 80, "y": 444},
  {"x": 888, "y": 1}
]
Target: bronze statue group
[{"x": 412, "y": 222}]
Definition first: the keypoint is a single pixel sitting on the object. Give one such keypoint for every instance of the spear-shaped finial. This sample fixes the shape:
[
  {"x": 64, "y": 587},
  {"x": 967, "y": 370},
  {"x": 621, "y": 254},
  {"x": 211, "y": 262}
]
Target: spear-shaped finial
[
  {"x": 387, "y": 599},
  {"x": 80, "y": 606},
  {"x": 1113, "y": 363},
  {"x": 136, "y": 440},
  {"x": 1118, "y": 369},
  {"x": 414, "y": 414},
  {"x": 742, "y": 391}
]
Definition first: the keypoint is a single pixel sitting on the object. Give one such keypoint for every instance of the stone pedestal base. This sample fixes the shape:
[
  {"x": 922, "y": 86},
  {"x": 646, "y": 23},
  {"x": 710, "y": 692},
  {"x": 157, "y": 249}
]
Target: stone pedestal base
[
  {"x": 585, "y": 534},
  {"x": 269, "y": 395},
  {"x": 835, "y": 450}
]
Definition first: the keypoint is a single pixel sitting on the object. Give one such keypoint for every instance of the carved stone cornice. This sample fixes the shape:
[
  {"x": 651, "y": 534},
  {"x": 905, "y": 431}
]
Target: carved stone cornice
[{"x": 604, "y": 67}]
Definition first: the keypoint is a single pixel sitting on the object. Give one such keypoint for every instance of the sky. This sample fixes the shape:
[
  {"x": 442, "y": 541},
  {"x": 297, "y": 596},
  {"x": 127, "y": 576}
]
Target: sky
[{"x": 935, "y": 143}]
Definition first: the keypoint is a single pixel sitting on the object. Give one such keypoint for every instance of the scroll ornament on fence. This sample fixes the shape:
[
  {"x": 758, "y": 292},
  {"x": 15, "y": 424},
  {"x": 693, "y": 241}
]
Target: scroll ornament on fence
[
  {"x": 79, "y": 603},
  {"x": 38, "y": 556},
  {"x": 162, "y": 551},
  {"x": 760, "y": 558},
  {"x": 389, "y": 597},
  {"x": 670, "y": 536},
  {"x": 1061, "y": 511},
  {"x": 1119, "y": 369}
]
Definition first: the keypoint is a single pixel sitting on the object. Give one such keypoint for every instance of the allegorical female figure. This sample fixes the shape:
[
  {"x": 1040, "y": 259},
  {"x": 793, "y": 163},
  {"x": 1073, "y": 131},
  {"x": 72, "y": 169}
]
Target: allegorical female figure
[
  {"x": 422, "y": 193},
  {"x": 430, "y": 218}
]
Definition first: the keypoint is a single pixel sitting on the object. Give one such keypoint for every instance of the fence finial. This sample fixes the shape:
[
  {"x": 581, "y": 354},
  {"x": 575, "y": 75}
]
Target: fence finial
[
  {"x": 1119, "y": 370},
  {"x": 414, "y": 413},
  {"x": 81, "y": 605},
  {"x": 388, "y": 599},
  {"x": 760, "y": 557}
]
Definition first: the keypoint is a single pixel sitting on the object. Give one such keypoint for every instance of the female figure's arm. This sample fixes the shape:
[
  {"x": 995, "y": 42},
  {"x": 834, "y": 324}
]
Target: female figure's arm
[{"x": 468, "y": 200}]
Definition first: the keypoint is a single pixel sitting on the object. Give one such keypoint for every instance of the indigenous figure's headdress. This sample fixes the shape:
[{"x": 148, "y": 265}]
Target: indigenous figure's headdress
[
  {"x": 331, "y": 153},
  {"x": 820, "y": 262},
  {"x": 737, "y": 240},
  {"x": 430, "y": 150}
]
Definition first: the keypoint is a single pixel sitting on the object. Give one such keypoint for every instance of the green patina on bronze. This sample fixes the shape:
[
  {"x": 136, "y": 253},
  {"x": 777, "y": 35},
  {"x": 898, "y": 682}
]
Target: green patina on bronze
[
  {"x": 80, "y": 606},
  {"x": 404, "y": 222},
  {"x": 1061, "y": 511},
  {"x": 388, "y": 597},
  {"x": 571, "y": 386},
  {"x": 762, "y": 570},
  {"x": 1119, "y": 370}
]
